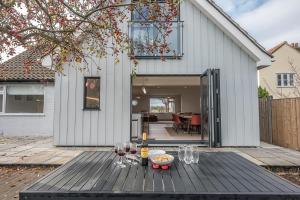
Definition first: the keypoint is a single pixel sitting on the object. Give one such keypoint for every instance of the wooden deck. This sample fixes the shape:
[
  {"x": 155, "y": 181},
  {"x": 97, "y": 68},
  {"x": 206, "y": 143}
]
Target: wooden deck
[{"x": 91, "y": 175}]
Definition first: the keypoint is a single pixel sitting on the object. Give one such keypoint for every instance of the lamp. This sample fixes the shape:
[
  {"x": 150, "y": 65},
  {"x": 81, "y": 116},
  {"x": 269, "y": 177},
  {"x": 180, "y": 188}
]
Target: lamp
[
  {"x": 134, "y": 102},
  {"x": 144, "y": 90}
]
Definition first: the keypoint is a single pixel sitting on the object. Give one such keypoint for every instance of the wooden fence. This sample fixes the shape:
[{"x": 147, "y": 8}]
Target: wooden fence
[{"x": 280, "y": 122}]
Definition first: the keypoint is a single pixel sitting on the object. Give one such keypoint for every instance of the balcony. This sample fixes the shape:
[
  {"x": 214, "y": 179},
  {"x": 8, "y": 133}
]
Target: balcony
[{"x": 145, "y": 34}]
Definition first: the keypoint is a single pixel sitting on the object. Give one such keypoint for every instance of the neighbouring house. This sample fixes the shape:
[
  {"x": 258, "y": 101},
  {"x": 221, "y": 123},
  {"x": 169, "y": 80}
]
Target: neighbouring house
[
  {"x": 282, "y": 79},
  {"x": 207, "y": 95},
  {"x": 26, "y": 97}
]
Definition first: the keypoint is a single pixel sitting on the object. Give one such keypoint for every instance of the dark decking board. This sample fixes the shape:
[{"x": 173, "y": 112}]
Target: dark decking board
[{"x": 92, "y": 175}]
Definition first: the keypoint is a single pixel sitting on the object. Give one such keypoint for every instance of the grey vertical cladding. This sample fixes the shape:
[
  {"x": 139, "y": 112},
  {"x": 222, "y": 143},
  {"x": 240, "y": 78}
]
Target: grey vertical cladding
[{"x": 204, "y": 46}]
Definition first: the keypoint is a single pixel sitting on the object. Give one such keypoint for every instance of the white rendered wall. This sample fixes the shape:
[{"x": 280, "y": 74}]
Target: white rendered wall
[{"x": 38, "y": 124}]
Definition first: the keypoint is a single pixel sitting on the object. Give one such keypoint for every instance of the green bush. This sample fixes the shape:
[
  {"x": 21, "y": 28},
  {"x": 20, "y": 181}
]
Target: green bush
[{"x": 262, "y": 92}]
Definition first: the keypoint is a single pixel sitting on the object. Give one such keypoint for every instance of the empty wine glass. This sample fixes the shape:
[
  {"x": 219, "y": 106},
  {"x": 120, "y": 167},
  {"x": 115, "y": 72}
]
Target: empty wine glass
[
  {"x": 188, "y": 155},
  {"x": 133, "y": 151},
  {"x": 195, "y": 155},
  {"x": 121, "y": 153},
  {"x": 181, "y": 151}
]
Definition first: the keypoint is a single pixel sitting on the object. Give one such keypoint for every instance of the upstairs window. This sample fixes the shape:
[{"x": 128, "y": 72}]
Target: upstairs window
[
  {"x": 285, "y": 80},
  {"x": 91, "y": 93},
  {"x": 145, "y": 14},
  {"x": 147, "y": 33},
  {"x": 1, "y": 98}
]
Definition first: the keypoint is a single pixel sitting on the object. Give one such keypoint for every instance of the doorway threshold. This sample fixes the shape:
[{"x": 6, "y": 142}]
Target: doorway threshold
[{"x": 203, "y": 143}]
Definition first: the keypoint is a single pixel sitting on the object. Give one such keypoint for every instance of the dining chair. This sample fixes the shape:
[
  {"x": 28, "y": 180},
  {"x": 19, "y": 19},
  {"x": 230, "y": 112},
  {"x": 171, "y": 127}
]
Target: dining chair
[
  {"x": 177, "y": 122},
  {"x": 195, "y": 122}
]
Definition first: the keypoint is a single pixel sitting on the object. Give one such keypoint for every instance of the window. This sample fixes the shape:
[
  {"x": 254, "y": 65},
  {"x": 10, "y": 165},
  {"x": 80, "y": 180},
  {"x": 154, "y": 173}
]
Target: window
[
  {"x": 15, "y": 99},
  {"x": 142, "y": 13},
  {"x": 92, "y": 93},
  {"x": 1, "y": 98},
  {"x": 146, "y": 33},
  {"x": 285, "y": 80},
  {"x": 162, "y": 105}
]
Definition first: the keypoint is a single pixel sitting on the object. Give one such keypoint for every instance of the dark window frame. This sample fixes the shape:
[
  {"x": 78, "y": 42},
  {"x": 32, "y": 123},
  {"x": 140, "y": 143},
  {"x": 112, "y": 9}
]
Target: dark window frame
[
  {"x": 145, "y": 21},
  {"x": 289, "y": 77},
  {"x": 85, "y": 93}
]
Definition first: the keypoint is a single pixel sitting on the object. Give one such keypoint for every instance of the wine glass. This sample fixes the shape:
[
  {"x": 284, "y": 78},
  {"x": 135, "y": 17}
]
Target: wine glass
[
  {"x": 133, "y": 151},
  {"x": 195, "y": 155},
  {"x": 127, "y": 149},
  {"x": 121, "y": 153},
  {"x": 181, "y": 151},
  {"x": 188, "y": 155},
  {"x": 116, "y": 152}
]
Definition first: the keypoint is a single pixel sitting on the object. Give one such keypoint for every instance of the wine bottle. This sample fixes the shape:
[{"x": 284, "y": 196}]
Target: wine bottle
[{"x": 144, "y": 150}]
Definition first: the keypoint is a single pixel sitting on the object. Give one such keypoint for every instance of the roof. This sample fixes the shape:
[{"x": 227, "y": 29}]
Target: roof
[
  {"x": 277, "y": 47},
  {"x": 255, "y": 42},
  {"x": 274, "y": 49},
  {"x": 234, "y": 31},
  {"x": 14, "y": 68}
]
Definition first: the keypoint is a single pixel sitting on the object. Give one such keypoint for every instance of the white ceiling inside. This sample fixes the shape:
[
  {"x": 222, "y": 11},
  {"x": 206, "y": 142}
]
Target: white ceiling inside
[{"x": 166, "y": 81}]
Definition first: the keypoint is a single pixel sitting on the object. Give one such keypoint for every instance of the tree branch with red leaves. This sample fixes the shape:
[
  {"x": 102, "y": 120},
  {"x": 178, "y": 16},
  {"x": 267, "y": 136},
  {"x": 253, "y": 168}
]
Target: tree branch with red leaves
[{"x": 74, "y": 30}]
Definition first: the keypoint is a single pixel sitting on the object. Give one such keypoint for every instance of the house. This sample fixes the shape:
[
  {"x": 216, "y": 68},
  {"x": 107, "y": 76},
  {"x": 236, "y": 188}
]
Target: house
[
  {"x": 216, "y": 64},
  {"x": 26, "y": 97},
  {"x": 281, "y": 79}
]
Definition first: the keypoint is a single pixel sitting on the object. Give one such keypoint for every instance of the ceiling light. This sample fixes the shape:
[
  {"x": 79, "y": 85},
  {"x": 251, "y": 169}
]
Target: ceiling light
[{"x": 144, "y": 90}]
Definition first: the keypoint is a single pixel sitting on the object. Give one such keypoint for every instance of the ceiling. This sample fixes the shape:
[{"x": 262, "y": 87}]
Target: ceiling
[{"x": 166, "y": 81}]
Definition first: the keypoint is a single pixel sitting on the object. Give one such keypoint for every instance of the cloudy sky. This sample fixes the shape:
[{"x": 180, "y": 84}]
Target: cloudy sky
[{"x": 269, "y": 21}]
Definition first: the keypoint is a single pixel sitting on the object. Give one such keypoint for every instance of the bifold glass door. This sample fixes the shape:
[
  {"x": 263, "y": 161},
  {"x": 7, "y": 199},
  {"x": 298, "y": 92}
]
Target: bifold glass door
[{"x": 210, "y": 107}]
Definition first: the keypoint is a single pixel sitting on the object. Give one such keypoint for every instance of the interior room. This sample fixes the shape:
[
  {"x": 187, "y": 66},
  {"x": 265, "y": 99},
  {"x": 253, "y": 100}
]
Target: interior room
[{"x": 167, "y": 108}]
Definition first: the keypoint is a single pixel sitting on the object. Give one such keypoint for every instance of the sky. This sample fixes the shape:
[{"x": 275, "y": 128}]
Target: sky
[{"x": 270, "y": 22}]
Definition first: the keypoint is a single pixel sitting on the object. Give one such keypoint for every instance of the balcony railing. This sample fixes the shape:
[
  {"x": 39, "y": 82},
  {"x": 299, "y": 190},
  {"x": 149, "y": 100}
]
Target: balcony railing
[{"x": 144, "y": 36}]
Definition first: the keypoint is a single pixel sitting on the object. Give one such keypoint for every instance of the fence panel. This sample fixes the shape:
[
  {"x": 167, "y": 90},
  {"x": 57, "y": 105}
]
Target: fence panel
[{"x": 280, "y": 122}]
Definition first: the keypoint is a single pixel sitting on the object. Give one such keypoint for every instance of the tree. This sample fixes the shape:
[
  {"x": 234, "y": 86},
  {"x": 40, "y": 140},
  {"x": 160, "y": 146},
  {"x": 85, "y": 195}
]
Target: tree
[
  {"x": 262, "y": 92},
  {"x": 74, "y": 30}
]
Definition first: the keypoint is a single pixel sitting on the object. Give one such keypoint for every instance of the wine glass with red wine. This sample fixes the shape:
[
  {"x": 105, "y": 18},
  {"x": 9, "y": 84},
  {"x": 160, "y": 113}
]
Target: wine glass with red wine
[
  {"x": 133, "y": 151},
  {"x": 127, "y": 149},
  {"x": 116, "y": 152},
  {"x": 121, "y": 153}
]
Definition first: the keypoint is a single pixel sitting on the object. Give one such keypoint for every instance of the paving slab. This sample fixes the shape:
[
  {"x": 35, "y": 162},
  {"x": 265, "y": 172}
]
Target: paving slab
[{"x": 40, "y": 151}]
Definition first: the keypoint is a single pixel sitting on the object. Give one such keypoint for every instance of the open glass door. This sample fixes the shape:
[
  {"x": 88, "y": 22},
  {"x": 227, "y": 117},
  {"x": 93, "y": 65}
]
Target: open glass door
[{"x": 210, "y": 106}]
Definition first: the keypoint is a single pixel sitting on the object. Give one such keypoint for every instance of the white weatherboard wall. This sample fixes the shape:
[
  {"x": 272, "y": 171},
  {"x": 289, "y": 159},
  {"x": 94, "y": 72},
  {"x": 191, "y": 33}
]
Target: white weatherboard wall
[
  {"x": 31, "y": 124},
  {"x": 204, "y": 46}
]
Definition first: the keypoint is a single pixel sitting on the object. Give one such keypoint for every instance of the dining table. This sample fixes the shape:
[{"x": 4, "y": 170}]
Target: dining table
[{"x": 218, "y": 175}]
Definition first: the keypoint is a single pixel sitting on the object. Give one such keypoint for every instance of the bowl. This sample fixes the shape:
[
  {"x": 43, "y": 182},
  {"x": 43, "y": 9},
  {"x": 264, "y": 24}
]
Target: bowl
[
  {"x": 162, "y": 159},
  {"x": 156, "y": 152}
]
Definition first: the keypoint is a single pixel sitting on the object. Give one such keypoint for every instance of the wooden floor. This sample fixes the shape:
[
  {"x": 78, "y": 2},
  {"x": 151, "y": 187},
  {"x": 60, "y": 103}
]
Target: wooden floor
[{"x": 224, "y": 175}]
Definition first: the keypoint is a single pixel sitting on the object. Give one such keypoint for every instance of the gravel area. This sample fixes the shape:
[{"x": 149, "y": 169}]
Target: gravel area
[
  {"x": 290, "y": 173},
  {"x": 14, "y": 179}
]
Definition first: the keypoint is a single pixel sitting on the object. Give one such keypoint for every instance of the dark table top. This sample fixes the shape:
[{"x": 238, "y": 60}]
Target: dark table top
[{"x": 217, "y": 175}]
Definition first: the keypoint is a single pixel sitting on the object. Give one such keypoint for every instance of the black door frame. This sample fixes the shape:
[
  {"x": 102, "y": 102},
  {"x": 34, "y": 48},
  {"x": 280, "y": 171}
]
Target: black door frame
[
  {"x": 214, "y": 106},
  {"x": 204, "y": 143}
]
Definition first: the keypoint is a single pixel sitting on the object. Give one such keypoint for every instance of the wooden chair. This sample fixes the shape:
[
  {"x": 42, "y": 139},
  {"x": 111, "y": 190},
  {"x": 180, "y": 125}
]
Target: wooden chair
[{"x": 195, "y": 122}]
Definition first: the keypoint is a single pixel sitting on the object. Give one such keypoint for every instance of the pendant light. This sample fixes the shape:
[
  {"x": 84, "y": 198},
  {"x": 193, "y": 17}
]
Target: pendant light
[{"x": 143, "y": 88}]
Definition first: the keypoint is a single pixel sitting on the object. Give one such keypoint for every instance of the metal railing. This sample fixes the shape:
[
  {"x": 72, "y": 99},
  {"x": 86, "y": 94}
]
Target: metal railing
[{"x": 147, "y": 36}]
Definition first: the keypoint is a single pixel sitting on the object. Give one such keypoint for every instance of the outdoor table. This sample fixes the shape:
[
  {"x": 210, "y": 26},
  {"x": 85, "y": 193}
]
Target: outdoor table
[{"x": 218, "y": 175}]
